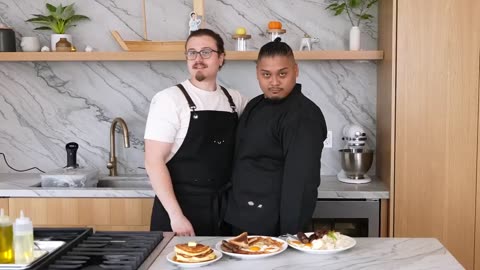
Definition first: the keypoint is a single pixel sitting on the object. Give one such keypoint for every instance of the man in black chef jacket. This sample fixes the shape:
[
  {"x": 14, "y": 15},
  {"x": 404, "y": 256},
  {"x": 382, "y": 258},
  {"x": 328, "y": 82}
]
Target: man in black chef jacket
[{"x": 277, "y": 151}]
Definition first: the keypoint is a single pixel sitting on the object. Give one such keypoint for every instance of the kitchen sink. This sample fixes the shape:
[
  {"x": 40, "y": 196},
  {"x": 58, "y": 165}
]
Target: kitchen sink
[
  {"x": 133, "y": 181},
  {"x": 124, "y": 181}
]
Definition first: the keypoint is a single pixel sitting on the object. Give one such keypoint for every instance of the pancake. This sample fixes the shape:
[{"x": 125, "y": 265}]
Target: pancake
[{"x": 193, "y": 252}]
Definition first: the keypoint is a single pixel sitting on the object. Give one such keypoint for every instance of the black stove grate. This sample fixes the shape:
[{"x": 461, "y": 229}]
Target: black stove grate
[{"x": 110, "y": 250}]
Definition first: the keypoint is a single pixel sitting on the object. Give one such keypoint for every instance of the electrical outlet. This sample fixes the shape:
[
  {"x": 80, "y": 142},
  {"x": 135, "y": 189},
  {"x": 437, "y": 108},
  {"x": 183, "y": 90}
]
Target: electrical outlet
[{"x": 328, "y": 143}]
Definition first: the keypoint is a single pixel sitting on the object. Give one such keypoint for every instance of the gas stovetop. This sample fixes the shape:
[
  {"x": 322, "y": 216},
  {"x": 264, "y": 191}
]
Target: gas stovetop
[{"x": 100, "y": 250}]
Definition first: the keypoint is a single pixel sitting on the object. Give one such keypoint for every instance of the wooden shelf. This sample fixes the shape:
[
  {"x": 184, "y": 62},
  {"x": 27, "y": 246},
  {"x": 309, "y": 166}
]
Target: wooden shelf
[{"x": 175, "y": 56}]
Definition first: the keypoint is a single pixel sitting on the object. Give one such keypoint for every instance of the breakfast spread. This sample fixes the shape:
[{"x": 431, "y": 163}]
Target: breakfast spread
[
  {"x": 193, "y": 253},
  {"x": 243, "y": 244},
  {"x": 321, "y": 240}
]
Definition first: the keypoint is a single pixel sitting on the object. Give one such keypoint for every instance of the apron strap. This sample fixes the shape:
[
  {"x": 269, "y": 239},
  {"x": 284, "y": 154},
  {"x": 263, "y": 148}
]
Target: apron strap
[
  {"x": 187, "y": 96},
  {"x": 229, "y": 97}
]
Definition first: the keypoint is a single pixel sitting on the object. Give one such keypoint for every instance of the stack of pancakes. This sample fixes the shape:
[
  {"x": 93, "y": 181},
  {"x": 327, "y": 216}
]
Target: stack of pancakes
[{"x": 193, "y": 253}]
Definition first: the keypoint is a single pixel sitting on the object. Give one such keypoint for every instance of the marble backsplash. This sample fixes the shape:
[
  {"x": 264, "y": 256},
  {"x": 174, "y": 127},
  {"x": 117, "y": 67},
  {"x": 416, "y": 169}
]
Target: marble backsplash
[{"x": 44, "y": 105}]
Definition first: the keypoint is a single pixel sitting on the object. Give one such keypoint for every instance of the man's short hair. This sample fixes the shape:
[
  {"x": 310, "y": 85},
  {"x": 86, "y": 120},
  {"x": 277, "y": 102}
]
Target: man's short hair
[
  {"x": 207, "y": 32},
  {"x": 275, "y": 48}
]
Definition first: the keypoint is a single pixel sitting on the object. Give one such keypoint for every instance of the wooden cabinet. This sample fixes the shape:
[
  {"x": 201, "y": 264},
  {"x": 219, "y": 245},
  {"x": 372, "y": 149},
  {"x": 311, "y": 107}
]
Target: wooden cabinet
[
  {"x": 428, "y": 121},
  {"x": 100, "y": 213},
  {"x": 4, "y": 205}
]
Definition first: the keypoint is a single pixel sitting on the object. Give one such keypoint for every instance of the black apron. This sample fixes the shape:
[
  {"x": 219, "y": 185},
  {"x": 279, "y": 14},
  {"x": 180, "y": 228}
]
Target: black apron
[{"x": 201, "y": 170}]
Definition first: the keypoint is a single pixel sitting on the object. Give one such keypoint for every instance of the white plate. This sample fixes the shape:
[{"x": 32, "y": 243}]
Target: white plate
[
  {"x": 253, "y": 256},
  {"x": 193, "y": 265},
  {"x": 351, "y": 241}
]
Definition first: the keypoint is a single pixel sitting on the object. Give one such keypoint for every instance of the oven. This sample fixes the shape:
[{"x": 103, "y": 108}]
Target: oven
[{"x": 352, "y": 217}]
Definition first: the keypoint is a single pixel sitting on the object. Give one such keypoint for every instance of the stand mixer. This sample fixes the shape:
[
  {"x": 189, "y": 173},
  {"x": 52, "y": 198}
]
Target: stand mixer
[{"x": 356, "y": 159}]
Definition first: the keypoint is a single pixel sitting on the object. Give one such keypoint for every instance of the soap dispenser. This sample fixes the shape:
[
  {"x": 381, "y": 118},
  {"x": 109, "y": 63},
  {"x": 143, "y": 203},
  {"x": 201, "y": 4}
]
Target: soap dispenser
[
  {"x": 23, "y": 239},
  {"x": 6, "y": 239}
]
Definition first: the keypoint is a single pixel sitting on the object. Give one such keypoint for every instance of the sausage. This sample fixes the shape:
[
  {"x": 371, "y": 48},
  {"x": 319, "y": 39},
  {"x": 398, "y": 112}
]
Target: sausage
[
  {"x": 312, "y": 237},
  {"x": 320, "y": 233},
  {"x": 302, "y": 237}
]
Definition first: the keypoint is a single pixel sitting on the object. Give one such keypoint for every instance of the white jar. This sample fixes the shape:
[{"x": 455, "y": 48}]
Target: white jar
[{"x": 30, "y": 44}]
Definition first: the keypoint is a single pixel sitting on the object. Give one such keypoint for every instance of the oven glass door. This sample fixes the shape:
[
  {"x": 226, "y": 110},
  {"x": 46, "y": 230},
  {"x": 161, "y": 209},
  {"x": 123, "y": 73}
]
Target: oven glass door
[
  {"x": 354, "y": 227},
  {"x": 356, "y": 218}
]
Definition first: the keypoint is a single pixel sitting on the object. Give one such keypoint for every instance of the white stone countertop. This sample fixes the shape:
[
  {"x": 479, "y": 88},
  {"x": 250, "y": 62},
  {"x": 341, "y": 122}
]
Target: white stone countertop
[
  {"x": 26, "y": 185},
  {"x": 368, "y": 253}
]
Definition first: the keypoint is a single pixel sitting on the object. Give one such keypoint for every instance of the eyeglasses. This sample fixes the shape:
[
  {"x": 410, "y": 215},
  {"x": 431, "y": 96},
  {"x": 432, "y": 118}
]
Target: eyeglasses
[{"x": 205, "y": 53}]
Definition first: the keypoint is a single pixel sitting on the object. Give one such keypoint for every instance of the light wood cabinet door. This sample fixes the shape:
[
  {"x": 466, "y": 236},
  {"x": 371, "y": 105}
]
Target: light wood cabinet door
[
  {"x": 4, "y": 205},
  {"x": 101, "y": 214},
  {"x": 436, "y": 138}
]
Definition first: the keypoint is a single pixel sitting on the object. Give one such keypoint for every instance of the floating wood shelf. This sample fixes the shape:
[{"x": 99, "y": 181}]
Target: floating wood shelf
[{"x": 175, "y": 56}]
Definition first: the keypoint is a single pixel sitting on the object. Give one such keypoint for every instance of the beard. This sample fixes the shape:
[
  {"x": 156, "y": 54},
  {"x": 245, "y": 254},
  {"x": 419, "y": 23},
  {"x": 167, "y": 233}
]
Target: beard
[{"x": 199, "y": 76}]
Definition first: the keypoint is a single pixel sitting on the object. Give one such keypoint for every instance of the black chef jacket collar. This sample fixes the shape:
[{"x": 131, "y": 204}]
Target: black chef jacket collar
[{"x": 297, "y": 89}]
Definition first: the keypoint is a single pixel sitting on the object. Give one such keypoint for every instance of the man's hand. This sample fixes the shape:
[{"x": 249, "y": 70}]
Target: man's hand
[{"x": 181, "y": 226}]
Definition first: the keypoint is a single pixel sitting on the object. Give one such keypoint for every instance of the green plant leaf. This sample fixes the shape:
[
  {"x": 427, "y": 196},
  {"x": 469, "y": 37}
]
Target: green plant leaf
[
  {"x": 76, "y": 18},
  {"x": 332, "y": 6},
  {"x": 39, "y": 19},
  {"x": 371, "y": 3},
  {"x": 339, "y": 10},
  {"x": 68, "y": 12},
  {"x": 51, "y": 8},
  {"x": 43, "y": 28},
  {"x": 354, "y": 3},
  {"x": 366, "y": 17}
]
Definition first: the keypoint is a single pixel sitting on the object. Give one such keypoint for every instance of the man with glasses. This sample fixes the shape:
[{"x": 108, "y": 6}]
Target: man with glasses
[{"x": 189, "y": 140}]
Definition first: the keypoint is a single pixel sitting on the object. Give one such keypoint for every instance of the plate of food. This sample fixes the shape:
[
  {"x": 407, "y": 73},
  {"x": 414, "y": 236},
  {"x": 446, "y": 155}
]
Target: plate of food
[
  {"x": 248, "y": 247},
  {"x": 321, "y": 242},
  {"x": 192, "y": 254}
]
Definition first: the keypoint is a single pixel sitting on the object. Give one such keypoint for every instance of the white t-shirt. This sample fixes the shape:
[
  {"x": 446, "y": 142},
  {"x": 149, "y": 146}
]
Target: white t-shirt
[{"x": 169, "y": 115}]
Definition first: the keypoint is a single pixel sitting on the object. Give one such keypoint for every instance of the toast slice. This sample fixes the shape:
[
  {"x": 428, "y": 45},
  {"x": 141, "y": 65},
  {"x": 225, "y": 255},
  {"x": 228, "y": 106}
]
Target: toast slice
[{"x": 240, "y": 240}]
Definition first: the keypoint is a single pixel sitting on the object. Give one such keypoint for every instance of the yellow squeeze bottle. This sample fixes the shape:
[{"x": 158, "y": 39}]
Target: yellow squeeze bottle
[
  {"x": 6, "y": 239},
  {"x": 23, "y": 240}
]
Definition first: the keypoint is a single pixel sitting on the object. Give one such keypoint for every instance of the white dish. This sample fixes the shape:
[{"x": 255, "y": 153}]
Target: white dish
[
  {"x": 253, "y": 256},
  {"x": 351, "y": 243},
  {"x": 193, "y": 265}
]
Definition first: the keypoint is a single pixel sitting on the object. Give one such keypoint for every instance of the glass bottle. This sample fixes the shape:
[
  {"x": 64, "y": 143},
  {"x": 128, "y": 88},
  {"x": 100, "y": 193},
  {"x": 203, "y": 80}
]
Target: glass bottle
[{"x": 6, "y": 239}]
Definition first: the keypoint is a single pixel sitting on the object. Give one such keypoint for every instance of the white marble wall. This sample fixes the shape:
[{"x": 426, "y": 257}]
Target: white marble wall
[{"x": 44, "y": 105}]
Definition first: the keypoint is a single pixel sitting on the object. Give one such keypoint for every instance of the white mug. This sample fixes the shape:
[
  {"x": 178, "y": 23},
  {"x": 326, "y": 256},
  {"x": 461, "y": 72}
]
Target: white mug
[{"x": 30, "y": 44}]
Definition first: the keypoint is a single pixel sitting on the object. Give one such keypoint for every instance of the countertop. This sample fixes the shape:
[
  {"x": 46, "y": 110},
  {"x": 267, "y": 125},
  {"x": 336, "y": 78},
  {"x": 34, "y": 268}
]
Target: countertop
[
  {"x": 369, "y": 253},
  {"x": 23, "y": 185}
]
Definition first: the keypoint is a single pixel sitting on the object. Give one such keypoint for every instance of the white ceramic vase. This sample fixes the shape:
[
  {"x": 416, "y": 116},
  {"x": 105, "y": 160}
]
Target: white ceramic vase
[
  {"x": 355, "y": 38},
  {"x": 30, "y": 44},
  {"x": 56, "y": 37}
]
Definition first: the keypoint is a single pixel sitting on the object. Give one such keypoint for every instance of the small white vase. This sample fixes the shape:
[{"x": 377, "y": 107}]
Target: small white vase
[
  {"x": 56, "y": 37},
  {"x": 30, "y": 44},
  {"x": 355, "y": 38}
]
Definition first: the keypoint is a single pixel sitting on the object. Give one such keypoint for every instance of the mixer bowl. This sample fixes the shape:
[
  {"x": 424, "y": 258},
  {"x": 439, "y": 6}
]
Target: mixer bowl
[{"x": 356, "y": 162}]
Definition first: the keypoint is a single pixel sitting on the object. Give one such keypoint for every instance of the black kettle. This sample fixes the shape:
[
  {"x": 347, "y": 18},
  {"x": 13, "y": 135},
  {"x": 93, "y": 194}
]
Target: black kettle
[{"x": 7, "y": 39}]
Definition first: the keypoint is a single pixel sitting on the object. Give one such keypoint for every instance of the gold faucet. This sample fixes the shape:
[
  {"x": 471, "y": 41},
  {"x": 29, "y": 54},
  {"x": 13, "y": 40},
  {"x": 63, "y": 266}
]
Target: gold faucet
[{"x": 112, "y": 163}]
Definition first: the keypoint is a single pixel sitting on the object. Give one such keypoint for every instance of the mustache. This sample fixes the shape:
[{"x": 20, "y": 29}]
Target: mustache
[
  {"x": 199, "y": 65},
  {"x": 275, "y": 88}
]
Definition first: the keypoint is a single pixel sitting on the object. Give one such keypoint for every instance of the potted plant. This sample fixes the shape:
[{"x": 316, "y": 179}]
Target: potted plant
[
  {"x": 58, "y": 20},
  {"x": 357, "y": 12}
]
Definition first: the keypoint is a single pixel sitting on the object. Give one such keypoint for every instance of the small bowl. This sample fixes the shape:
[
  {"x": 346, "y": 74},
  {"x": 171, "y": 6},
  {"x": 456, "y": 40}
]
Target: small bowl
[{"x": 356, "y": 162}]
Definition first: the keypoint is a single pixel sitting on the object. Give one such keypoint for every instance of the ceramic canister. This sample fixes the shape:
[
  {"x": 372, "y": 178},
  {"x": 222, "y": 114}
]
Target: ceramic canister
[{"x": 7, "y": 39}]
